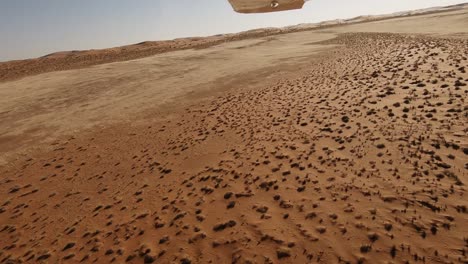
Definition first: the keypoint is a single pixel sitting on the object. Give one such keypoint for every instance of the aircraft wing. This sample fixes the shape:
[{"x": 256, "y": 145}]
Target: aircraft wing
[{"x": 265, "y": 6}]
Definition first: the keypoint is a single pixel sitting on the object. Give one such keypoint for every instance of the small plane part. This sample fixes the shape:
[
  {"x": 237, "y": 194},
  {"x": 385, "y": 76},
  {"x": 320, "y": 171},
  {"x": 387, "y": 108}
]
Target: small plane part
[{"x": 265, "y": 6}]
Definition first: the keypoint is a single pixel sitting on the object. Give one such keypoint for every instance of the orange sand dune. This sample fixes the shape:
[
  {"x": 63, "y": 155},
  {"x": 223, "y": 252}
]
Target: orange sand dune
[{"x": 340, "y": 145}]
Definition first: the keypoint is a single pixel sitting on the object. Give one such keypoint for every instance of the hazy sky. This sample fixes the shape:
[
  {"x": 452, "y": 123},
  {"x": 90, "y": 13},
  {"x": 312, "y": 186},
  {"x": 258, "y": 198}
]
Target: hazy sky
[{"x": 31, "y": 28}]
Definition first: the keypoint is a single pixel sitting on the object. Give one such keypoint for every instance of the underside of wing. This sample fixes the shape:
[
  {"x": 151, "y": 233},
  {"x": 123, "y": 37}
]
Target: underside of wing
[{"x": 265, "y": 6}]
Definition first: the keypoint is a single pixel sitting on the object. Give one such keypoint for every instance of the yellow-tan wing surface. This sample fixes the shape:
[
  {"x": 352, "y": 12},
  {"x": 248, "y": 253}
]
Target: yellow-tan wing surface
[{"x": 265, "y": 6}]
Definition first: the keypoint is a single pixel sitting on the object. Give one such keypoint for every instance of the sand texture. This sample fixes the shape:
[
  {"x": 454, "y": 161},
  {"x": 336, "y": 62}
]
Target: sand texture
[{"x": 346, "y": 144}]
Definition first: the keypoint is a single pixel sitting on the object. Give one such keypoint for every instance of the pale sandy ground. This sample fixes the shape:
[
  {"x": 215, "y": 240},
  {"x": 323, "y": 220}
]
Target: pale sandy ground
[
  {"x": 310, "y": 147},
  {"x": 42, "y": 107},
  {"x": 440, "y": 24}
]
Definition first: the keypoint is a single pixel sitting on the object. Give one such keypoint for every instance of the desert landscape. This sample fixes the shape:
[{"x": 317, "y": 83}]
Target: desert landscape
[{"x": 337, "y": 142}]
